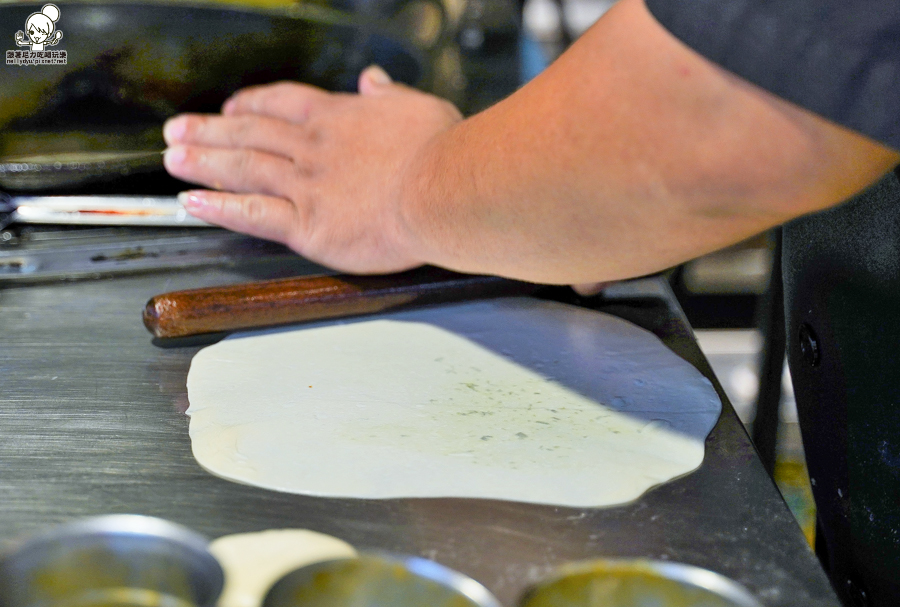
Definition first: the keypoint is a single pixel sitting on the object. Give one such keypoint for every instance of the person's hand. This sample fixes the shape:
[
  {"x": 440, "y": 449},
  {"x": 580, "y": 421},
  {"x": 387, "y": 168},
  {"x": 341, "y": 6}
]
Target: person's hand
[{"x": 323, "y": 173}]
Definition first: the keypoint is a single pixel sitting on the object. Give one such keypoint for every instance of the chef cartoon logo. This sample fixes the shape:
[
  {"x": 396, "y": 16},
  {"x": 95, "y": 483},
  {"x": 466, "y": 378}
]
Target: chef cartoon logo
[{"x": 40, "y": 33}]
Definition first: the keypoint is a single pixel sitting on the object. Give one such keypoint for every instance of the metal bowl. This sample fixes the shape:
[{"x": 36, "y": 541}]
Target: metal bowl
[
  {"x": 375, "y": 580},
  {"x": 112, "y": 561},
  {"x": 636, "y": 583}
]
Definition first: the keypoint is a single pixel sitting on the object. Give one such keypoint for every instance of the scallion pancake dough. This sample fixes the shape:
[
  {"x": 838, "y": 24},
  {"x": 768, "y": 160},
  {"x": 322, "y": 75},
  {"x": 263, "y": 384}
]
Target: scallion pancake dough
[
  {"x": 514, "y": 399},
  {"x": 253, "y": 562}
]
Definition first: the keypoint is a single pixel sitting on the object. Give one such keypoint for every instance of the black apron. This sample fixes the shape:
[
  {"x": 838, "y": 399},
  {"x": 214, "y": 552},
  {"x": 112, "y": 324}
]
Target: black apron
[{"x": 842, "y": 307}]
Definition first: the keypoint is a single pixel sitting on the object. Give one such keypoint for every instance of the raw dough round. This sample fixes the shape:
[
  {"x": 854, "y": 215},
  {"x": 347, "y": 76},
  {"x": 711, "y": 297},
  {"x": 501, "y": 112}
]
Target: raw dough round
[
  {"x": 514, "y": 399},
  {"x": 254, "y": 561}
]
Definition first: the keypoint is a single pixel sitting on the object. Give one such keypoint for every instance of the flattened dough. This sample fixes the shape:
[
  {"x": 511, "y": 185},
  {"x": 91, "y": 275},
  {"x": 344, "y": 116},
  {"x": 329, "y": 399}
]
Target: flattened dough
[
  {"x": 254, "y": 561},
  {"x": 513, "y": 399}
]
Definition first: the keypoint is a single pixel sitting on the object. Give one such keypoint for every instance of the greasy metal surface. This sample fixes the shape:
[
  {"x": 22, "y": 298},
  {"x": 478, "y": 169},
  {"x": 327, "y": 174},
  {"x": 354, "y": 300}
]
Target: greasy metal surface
[
  {"x": 45, "y": 255},
  {"x": 92, "y": 422}
]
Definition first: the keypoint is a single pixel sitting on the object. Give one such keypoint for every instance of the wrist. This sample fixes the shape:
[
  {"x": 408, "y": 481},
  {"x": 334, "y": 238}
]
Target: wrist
[{"x": 424, "y": 199}]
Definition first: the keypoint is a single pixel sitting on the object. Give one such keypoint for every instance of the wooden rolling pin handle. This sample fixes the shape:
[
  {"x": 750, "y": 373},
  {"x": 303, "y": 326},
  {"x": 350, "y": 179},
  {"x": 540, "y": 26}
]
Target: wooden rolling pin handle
[{"x": 276, "y": 302}]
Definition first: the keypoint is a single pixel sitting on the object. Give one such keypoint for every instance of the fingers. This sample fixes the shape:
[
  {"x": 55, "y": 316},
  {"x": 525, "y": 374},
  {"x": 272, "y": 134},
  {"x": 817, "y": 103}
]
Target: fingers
[
  {"x": 590, "y": 289},
  {"x": 288, "y": 101},
  {"x": 374, "y": 81},
  {"x": 242, "y": 131},
  {"x": 268, "y": 217},
  {"x": 236, "y": 170},
  {"x": 254, "y": 117}
]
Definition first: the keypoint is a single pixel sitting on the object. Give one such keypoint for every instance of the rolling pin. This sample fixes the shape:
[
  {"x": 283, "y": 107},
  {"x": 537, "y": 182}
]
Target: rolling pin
[{"x": 290, "y": 300}]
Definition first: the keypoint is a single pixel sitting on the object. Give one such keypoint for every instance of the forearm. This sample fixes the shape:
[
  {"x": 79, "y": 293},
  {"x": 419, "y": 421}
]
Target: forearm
[{"x": 628, "y": 155}]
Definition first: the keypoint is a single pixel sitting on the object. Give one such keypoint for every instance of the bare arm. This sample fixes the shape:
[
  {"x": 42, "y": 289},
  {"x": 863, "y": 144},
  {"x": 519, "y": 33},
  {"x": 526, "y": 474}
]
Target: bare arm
[{"x": 629, "y": 154}]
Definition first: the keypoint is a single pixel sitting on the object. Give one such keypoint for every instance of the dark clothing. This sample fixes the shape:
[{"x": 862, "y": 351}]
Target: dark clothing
[
  {"x": 842, "y": 305},
  {"x": 840, "y": 59}
]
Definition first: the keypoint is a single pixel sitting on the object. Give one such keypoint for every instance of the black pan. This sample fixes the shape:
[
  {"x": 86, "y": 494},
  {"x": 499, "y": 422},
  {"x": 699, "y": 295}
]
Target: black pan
[{"x": 130, "y": 66}]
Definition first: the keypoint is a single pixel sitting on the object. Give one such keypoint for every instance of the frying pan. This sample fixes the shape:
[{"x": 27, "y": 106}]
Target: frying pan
[{"x": 130, "y": 66}]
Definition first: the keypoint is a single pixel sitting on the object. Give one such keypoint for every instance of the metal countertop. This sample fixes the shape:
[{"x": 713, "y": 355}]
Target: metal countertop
[{"x": 92, "y": 422}]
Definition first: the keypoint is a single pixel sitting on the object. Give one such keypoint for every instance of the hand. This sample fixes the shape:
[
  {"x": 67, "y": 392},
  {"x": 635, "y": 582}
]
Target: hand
[
  {"x": 323, "y": 173},
  {"x": 20, "y": 37}
]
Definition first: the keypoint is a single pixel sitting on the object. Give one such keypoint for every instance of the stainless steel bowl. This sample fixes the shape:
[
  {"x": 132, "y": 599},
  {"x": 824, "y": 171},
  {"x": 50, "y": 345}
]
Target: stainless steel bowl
[
  {"x": 112, "y": 561},
  {"x": 376, "y": 580},
  {"x": 636, "y": 583}
]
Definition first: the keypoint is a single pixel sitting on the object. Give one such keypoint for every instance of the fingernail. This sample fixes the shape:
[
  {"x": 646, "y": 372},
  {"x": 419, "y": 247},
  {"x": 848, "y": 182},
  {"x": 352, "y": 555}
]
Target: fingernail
[
  {"x": 174, "y": 156},
  {"x": 228, "y": 106},
  {"x": 377, "y": 75},
  {"x": 174, "y": 129},
  {"x": 192, "y": 199}
]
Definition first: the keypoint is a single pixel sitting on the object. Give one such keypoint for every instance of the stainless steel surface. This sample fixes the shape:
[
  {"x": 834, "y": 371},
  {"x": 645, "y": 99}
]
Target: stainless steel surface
[
  {"x": 47, "y": 254},
  {"x": 112, "y": 560},
  {"x": 92, "y": 422},
  {"x": 103, "y": 210},
  {"x": 636, "y": 583},
  {"x": 375, "y": 580}
]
